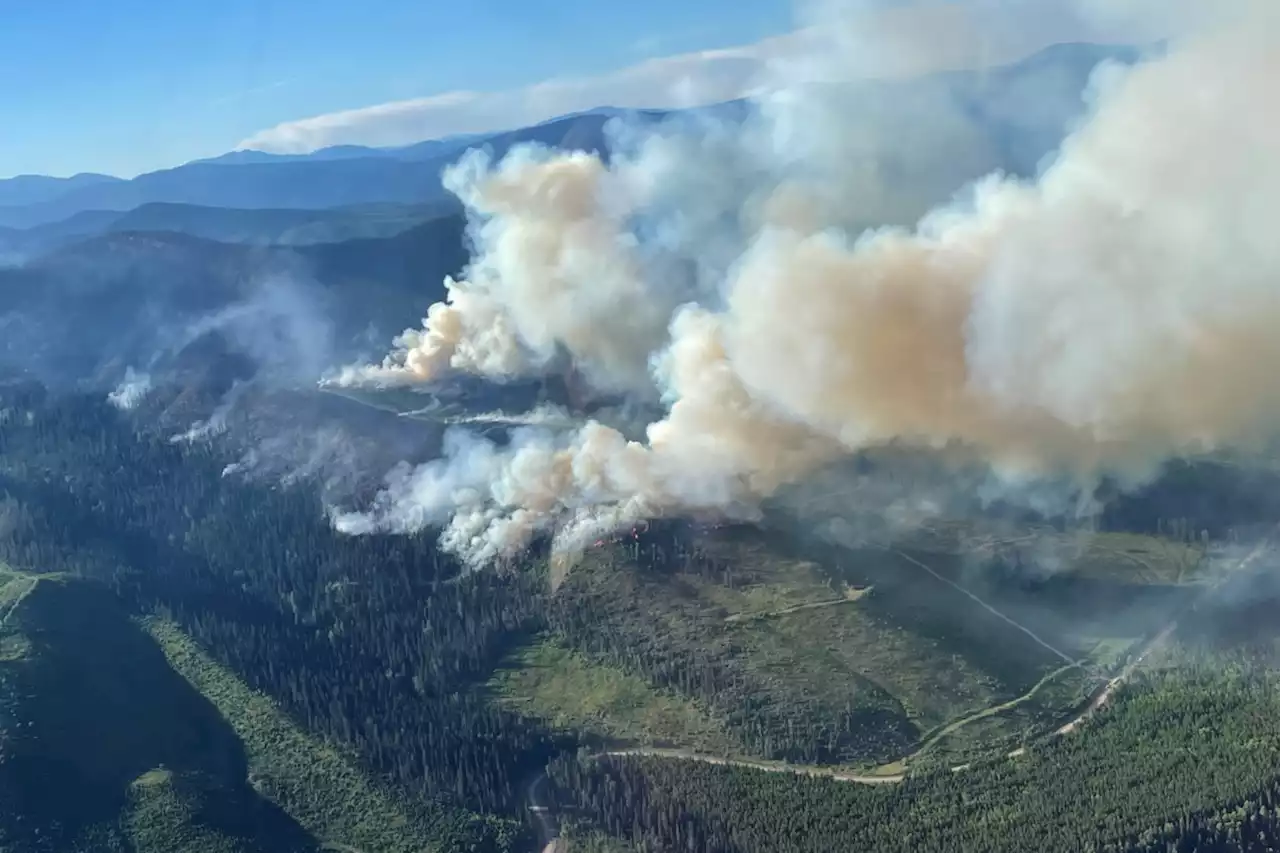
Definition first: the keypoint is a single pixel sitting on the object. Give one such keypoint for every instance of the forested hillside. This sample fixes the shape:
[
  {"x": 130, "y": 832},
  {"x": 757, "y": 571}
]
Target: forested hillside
[
  {"x": 380, "y": 646},
  {"x": 104, "y": 748},
  {"x": 1185, "y": 761},
  {"x": 365, "y": 641}
]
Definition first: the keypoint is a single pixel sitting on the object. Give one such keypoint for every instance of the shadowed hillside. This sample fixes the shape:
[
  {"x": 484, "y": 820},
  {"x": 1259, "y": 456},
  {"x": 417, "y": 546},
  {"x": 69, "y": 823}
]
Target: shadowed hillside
[{"x": 104, "y": 747}]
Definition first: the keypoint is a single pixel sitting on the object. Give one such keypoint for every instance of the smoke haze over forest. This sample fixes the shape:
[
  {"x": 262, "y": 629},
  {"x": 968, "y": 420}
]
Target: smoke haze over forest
[{"x": 792, "y": 292}]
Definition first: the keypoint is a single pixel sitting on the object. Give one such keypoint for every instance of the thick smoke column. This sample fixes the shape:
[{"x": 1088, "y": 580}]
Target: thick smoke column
[
  {"x": 556, "y": 268},
  {"x": 1118, "y": 311}
]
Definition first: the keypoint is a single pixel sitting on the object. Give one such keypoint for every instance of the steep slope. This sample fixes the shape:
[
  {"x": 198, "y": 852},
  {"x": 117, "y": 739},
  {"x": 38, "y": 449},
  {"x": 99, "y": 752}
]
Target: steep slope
[
  {"x": 372, "y": 651},
  {"x": 104, "y": 747},
  {"x": 118, "y": 735},
  {"x": 314, "y": 782},
  {"x": 86, "y": 311},
  {"x": 22, "y": 244}
]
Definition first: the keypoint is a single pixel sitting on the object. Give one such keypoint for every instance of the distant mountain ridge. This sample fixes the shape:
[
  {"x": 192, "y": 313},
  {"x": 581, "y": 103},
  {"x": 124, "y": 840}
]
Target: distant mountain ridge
[
  {"x": 1025, "y": 107},
  {"x": 326, "y": 286},
  {"x": 35, "y": 189},
  {"x": 252, "y": 226},
  {"x": 411, "y": 177},
  {"x": 414, "y": 151},
  {"x": 85, "y": 311}
]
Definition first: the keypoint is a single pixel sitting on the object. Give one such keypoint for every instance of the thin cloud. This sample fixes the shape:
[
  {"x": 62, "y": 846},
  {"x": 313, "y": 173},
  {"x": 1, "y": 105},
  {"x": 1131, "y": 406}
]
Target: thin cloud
[
  {"x": 894, "y": 42},
  {"x": 251, "y": 92},
  {"x": 685, "y": 80}
]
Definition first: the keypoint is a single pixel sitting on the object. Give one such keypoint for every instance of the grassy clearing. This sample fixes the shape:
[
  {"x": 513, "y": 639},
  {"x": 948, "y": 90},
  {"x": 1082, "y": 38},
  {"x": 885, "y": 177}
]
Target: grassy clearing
[
  {"x": 982, "y": 739},
  {"x": 1139, "y": 559},
  {"x": 824, "y": 652},
  {"x": 861, "y": 652},
  {"x": 570, "y": 692},
  {"x": 812, "y": 634},
  {"x": 859, "y": 646},
  {"x": 761, "y": 584},
  {"x": 1118, "y": 557},
  {"x": 312, "y": 781},
  {"x": 889, "y": 770},
  {"x": 760, "y": 581},
  {"x": 1072, "y": 589},
  {"x": 669, "y": 628},
  {"x": 1004, "y": 707},
  {"x": 1019, "y": 719},
  {"x": 1109, "y": 653},
  {"x": 1068, "y": 689}
]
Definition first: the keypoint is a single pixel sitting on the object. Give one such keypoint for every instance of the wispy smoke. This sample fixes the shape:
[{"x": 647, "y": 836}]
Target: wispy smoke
[
  {"x": 1115, "y": 312},
  {"x": 327, "y": 457},
  {"x": 279, "y": 325},
  {"x": 216, "y": 424},
  {"x": 131, "y": 391}
]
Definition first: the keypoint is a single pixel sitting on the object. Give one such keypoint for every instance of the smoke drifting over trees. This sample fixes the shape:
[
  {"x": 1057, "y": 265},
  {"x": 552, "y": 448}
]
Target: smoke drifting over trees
[{"x": 1115, "y": 312}]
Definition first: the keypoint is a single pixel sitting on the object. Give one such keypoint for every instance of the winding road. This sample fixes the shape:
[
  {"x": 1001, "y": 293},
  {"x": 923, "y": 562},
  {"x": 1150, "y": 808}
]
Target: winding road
[
  {"x": 1104, "y": 694},
  {"x": 541, "y": 807},
  {"x": 956, "y": 725},
  {"x": 767, "y": 766},
  {"x": 538, "y": 802},
  {"x": 1156, "y": 642}
]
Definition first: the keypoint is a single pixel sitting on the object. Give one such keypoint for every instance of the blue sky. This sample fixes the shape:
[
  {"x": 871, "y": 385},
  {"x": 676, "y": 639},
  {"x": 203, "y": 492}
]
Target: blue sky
[{"x": 125, "y": 86}]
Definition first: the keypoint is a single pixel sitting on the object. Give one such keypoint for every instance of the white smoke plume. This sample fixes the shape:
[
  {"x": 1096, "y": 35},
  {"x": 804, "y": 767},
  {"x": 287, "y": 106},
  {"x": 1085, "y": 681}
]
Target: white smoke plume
[
  {"x": 1117, "y": 311},
  {"x": 217, "y": 423},
  {"x": 131, "y": 391},
  {"x": 555, "y": 269},
  {"x": 541, "y": 416}
]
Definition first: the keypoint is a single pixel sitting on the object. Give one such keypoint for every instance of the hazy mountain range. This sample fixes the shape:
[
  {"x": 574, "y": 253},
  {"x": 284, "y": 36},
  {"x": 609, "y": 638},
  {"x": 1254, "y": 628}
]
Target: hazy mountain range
[
  {"x": 1022, "y": 108},
  {"x": 194, "y": 657},
  {"x": 304, "y": 261},
  {"x": 256, "y": 180}
]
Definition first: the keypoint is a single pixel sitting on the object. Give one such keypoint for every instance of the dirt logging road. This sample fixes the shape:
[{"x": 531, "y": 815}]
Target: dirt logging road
[{"x": 542, "y": 807}]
